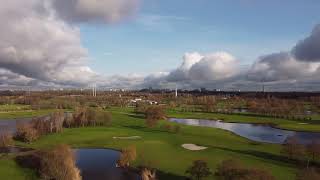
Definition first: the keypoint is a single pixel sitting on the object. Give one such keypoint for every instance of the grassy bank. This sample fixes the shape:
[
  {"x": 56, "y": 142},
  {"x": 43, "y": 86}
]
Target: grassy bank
[{"x": 163, "y": 149}]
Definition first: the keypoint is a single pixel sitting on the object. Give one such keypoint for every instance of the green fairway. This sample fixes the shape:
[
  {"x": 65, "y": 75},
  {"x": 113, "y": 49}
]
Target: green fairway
[{"x": 163, "y": 149}]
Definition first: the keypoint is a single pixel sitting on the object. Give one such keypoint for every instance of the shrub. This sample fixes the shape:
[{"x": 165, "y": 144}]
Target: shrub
[
  {"x": 40, "y": 125},
  {"x": 5, "y": 140},
  {"x": 26, "y": 133},
  {"x": 234, "y": 170}
]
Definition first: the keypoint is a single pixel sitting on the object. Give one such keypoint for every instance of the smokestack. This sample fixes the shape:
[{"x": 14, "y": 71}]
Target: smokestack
[{"x": 176, "y": 91}]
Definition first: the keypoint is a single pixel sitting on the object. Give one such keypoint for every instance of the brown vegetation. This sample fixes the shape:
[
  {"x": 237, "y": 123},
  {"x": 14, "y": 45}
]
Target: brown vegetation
[
  {"x": 83, "y": 117},
  {"x": 55, "y": 164},
  {"x": 59, "y": 164},
  {"x": 148, "y": 174},
  {"x": 293, "y": 149},
  {"x": 199, "y": 170},
  {"x": 313, "y": 150},
  {"x": 234, "y": 170},
  {"x": 26, "y": 133},
  {"x": 5, "y": 140},
  {"x": 127, "y": 155},
  {"x": 308, "y": 174},
  {"x": 153, "y": 115}
]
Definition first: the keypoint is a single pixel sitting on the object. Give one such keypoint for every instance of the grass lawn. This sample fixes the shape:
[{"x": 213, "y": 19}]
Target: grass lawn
[
  {"x": 312, "y": 125},
  {"x": 163, "y": 149},
  {"x": 23, "y": 114},
  {"x": 10, "y": 170}
]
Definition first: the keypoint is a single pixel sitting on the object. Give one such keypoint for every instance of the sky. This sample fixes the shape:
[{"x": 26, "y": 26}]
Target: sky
[{"x": 132, "y": 44}]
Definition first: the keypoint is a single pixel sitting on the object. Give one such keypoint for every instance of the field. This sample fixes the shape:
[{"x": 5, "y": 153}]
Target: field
[{"x": 162, "y": 149}]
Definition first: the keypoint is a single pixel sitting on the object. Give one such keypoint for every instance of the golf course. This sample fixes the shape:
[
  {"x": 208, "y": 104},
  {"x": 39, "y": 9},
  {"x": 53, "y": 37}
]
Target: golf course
[{"x": 162, "y": 149}]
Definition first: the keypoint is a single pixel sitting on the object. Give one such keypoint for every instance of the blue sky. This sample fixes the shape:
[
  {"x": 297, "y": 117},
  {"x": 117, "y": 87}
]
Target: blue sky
[{"x": 160, "y": 33}]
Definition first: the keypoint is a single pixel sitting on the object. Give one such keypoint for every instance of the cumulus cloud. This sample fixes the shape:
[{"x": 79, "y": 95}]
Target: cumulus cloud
[
  {"x": 106, "y": 11},
  {"x": 215, "y": 66},
  {"x": 182, "y": 72},
  {"x": 309, "y": 48},
  {"x": 38, "y": 45},
  {"x": 197, "y": 70},
  {"x": 35, "y": 44},
  {"x": 197, "y": 67},
  {"x": 279, "y": 67}
]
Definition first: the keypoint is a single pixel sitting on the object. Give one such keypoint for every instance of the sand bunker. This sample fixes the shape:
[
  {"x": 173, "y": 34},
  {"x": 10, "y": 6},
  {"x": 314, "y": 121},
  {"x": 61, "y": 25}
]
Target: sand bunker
[
  {"x": 129, "y": 137},
  {"x": 193, "y": 147}
]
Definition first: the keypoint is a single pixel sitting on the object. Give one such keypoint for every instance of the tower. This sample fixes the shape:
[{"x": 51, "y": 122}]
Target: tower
[{"x": 176, "y": 92}]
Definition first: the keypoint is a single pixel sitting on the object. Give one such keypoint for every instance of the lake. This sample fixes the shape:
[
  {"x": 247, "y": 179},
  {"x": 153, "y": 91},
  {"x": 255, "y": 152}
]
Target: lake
[{"x": 254, "y": 132}]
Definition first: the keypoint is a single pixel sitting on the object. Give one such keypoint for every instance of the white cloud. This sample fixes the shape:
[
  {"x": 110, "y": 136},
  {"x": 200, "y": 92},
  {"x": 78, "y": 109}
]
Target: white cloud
[
  {"x": 281, "y": 66},
  {"x": 215, "y": 66}
]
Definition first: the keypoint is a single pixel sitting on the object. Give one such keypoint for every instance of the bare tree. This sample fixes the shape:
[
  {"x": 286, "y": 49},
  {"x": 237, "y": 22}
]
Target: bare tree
[
  {"x": 292, "y": 148},
  {"x": 313, "y": 150},
  {"x": 127, "y": 155},
  {"x": 59, "y": 164}
]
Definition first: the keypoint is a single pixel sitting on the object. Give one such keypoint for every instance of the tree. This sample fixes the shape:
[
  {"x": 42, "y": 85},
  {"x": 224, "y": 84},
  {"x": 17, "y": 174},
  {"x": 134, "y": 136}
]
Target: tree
[
  {"x": 5, "y": 140},
  {"x": 313, "y": 149},
  {"x": 153, "y": 115},
  {"x": 199, "y": 170},
  {"x": 127, "y": 155},
  {"x": 59, "y": 164},
  {"x": 292, "y": 148},
  {"x": 148, "y": 174}
]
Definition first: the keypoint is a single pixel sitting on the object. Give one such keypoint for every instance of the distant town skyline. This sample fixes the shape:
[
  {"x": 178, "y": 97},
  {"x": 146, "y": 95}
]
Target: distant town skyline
[{"x": 134, "y": 44}]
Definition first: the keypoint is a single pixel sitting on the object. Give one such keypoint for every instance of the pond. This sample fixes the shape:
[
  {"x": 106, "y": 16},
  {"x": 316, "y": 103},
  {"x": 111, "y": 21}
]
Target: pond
[
  {"x": 100, "y": 164},
  {"x": 10, "y": 124},
  {"x": 254, "y": 132}
]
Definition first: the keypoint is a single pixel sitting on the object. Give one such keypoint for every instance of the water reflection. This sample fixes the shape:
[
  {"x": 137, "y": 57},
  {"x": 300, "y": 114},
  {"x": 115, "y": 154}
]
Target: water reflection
[
  {"x": 259, "y": 133},
  {"x": 99, "y": 164}
]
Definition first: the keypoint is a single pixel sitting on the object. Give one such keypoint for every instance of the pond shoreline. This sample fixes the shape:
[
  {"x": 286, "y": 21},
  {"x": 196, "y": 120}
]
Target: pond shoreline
[{"x": 262, "y": 133}]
